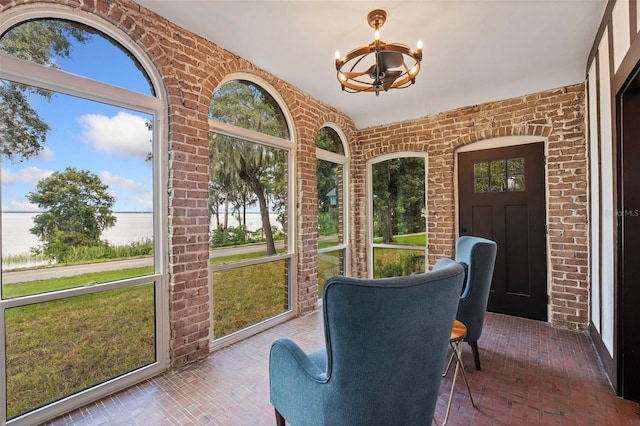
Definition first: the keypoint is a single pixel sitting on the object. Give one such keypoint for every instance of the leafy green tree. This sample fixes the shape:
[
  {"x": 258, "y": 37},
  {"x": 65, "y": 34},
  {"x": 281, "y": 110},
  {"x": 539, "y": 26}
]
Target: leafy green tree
[
  {"x": 261, "y": 169},
  {"x": 22, "y": 131},
  {"x": 77, "y": 208},
  {"x": 398, "y": 197}
]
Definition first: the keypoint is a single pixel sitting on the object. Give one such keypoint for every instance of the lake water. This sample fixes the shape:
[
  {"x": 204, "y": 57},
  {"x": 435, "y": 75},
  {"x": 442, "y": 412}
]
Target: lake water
[{"x": 129, "y": 227}]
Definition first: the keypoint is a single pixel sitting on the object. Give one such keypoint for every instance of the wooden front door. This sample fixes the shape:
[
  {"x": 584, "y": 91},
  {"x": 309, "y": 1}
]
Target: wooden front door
[
  {"x": 628, "y": 214},
  {"x": 501, "y": 197}
]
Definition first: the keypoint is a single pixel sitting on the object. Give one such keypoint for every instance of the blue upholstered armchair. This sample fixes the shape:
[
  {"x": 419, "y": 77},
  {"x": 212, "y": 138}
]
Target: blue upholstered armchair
[
  {"x": 479, "y": 255},
  {"x": 386, "y": 344}
]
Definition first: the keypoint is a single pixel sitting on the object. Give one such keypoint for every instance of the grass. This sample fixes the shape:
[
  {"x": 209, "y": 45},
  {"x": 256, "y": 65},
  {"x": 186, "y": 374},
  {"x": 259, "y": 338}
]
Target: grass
[
  {"x": 245, "y": 296},
  {"x": 407, "y": 240},
  {"x": 57, "y": 348},
  {"x": 56, "y": 284}
]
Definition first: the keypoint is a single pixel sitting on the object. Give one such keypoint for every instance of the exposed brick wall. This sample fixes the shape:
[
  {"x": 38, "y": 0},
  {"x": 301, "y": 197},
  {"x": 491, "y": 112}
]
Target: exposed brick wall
[
  {"x": 191, "y": 68},
  {"x": 557, "y": 116}
]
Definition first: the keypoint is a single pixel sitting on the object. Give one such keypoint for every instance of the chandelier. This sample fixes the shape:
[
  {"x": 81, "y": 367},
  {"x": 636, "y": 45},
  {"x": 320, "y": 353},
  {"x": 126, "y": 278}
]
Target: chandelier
[{"x": 380, "y": 65}]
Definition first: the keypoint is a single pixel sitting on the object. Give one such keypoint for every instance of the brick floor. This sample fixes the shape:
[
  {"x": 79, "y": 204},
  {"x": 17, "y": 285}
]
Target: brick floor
[{"x": 531, "y": 374}]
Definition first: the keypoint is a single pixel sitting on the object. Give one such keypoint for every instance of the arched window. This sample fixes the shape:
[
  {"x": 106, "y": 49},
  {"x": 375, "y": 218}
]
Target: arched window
[
  {"x": 250, "y": 155},
  {"x": 332, "y": 197},
  {"x": 398, "y": 219},
  {"x": 80, "y": 163}
]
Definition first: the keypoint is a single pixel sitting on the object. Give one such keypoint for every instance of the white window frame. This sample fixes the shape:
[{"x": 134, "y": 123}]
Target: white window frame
[
  {"x": 33, "y": 74},
  {"x": 342, "y": 160},
  {"x": 287, "y": 145},
  {"x": 370, "y": 244}
]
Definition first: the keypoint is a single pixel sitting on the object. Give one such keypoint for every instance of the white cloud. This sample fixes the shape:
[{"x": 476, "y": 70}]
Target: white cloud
[
  {"x": 46, "y": 155},
  {"x": 31, "y": 175},
  {"x": 124, "y": 134},
  {"x": 19, "y": 206},
  {"x": 128, "y": 191}
]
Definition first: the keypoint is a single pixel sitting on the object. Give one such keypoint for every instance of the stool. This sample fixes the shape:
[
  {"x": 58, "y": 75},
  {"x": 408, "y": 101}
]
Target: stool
[{"x": 458, "y": 333}]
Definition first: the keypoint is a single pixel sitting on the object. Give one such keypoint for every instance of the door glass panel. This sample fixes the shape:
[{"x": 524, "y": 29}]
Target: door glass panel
[
  {"x": 55, "y": 349},
  {"x": 499, "y": 175},
  {"x": 515, "y": 174}
]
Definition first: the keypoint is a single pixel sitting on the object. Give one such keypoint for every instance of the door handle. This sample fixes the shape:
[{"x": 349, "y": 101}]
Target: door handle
[{"x": 463, "y": 230}]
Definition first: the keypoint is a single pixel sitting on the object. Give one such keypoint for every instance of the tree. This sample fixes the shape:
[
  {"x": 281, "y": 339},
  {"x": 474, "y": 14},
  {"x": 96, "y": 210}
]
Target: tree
[
  {"x": 398, "y": 197},
  {"x": 22, "y": 131},
  {"x": 77, "y": 208},
  {"x": 260, "y": 168}
]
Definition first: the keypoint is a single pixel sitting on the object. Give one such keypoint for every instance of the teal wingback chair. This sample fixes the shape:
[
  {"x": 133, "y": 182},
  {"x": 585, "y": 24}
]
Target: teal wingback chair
[
  {"x": 386, "y": 345},
  {"x": 479, "y": 256}
]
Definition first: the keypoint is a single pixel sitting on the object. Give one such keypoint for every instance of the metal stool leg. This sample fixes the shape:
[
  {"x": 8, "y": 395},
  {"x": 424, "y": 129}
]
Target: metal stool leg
[{"x": 457, "y": 352}]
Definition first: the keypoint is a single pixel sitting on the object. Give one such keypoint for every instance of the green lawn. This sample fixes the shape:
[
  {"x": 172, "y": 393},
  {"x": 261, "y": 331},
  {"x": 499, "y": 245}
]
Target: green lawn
[{"x": 57, "y": 348}]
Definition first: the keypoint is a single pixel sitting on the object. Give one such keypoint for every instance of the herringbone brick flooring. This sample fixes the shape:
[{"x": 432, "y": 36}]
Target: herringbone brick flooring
[{"x": 531, "y": 374}]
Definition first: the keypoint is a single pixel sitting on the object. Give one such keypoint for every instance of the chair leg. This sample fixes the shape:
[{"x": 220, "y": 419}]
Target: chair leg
[
  {"x": 279, "y": 418},
  {"x": 476, "y": 354}
]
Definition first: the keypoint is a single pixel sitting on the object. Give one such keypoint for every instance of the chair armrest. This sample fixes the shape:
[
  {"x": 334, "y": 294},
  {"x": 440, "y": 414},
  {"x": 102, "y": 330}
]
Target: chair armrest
[
  {"x": 287, "y": 353},
  {"x": 296, "y": 383}
]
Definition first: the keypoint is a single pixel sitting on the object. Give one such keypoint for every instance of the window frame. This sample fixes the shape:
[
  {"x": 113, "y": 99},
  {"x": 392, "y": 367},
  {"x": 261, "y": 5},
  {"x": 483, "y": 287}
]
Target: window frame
[
  {"x": 342, "y": 160},
  {"x": 29, "y": 73},
  {"x": 289, "y": 146},
  {"x": 370, "y": 218}
]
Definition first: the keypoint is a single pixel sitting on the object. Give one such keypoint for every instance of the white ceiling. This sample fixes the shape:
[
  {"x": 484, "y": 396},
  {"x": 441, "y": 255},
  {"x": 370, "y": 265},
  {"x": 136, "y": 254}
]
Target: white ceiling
[{"x": 474, "y": 50}]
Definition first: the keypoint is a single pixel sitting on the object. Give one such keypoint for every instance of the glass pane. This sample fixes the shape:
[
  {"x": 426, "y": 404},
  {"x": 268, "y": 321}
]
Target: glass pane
[
  {"x": 397, "y": 262},
  {"x": 243, "y": 104},
  {"x": 481, "y": 169},
  {"x": 77, "y": 189},
  {"x": 330, "y": 264},
  {"x": 77, "y": 49},
  {"x": 516, "y": 183},
  {"x": 329, "y": 140},
  {"x": 248, "y": 295},
  {"x": 498, "y": 184},
  {"x": 498, "y": 168},
  {"x": 330, "y": 204},
  {"x": 247, "y": 198},
  {"x": 102, "y": 336},
  {"x": 515, "y": 166},
  {"x": 399, "y": 201},
  {"x": 481, "y": 185}
]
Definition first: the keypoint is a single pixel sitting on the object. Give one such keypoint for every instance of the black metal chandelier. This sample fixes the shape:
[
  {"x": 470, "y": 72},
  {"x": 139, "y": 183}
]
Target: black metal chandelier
[{"x": 380, "y": 65}]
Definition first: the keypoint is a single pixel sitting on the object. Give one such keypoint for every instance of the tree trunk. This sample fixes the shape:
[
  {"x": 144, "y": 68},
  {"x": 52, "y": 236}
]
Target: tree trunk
[{"x": 264, "y": 215}]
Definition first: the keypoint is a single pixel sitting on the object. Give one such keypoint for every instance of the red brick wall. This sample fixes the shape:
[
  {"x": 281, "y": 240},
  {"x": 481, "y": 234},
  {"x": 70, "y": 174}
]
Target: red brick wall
[
  {"x": 191, "y": 68},
  {"x": 557, "y": 116}
]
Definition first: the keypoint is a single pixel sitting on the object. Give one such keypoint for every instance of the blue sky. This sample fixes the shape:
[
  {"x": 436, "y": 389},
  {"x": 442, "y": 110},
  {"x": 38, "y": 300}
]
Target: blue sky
[{"x": 108, "y": 141}]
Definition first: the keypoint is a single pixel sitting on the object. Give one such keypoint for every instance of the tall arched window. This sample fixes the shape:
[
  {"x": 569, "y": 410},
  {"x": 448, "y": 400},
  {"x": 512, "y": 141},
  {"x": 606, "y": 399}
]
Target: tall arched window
[
  {"x": 82, "y": 274},
  {"x": 250, "y": 175},
  {"x": 398, "y": 217},
  {"x": 332, "y": 197}
]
